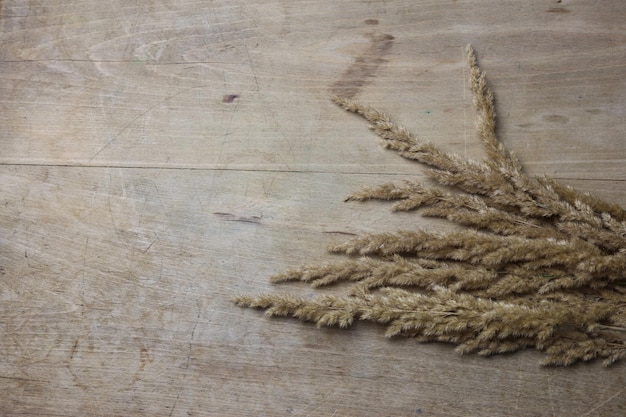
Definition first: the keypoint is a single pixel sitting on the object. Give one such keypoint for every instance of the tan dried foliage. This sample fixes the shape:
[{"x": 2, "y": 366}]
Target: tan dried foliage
[{"x": 539, "y": 265}]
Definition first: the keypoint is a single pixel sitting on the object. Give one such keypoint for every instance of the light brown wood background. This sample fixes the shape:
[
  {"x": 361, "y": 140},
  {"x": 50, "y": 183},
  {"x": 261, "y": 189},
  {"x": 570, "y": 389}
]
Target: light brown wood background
[{"x": 138, "y": 197}]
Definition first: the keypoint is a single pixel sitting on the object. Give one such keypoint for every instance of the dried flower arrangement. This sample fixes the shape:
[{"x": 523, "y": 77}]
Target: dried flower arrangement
[{"x": 539, "y": 265}]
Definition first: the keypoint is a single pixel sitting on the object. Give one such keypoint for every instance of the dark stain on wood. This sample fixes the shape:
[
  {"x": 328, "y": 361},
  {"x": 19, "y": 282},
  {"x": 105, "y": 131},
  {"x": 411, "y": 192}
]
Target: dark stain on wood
[
  {"x": 560, "y": 10},
  {"x": 555, "y": 118},
  {"x": 364, "y": 66},
  {"x": 233, "y": 218},
  {"x": 339, "y": 232},
  {"x": 229, "y": 98},
  {"x": 144, "y": 357}
]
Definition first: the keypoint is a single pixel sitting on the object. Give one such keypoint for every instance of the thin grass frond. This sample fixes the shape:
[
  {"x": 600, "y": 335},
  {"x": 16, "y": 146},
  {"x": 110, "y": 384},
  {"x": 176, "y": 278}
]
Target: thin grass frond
[{"x": 539, "y": 264}]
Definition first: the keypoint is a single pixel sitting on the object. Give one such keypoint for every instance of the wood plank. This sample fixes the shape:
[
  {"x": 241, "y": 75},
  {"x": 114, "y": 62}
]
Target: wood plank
[
  {"x": 116, "y": 294},
  {"x": 159, "y": 158},
  {"x": 132, "y": 86}
]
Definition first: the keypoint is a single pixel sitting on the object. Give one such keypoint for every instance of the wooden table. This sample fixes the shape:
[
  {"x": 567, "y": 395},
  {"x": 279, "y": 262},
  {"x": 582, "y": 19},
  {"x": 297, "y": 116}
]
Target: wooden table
[{"x": 160, "y": 157}]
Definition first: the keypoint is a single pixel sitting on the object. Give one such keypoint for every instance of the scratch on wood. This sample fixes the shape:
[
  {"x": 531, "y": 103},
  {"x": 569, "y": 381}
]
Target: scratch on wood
[
  {"x": 149, "y": 246},
  {"x": 188, "y": 361},
  {"x": 138, "y": 117},
  {"x": 602, "y": 404}
]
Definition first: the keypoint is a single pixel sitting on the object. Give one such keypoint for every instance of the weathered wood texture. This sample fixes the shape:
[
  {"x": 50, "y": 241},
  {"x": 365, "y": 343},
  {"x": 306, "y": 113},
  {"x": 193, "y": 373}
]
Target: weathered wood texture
[{"x": 159, "y": 157}]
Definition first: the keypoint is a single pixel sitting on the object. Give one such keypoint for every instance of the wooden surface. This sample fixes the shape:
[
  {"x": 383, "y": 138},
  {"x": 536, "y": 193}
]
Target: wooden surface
[{"x": 159, "y": 157}]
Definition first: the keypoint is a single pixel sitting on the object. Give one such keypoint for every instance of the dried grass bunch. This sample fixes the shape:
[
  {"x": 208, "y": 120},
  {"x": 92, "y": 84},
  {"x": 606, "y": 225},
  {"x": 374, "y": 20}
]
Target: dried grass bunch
[{"x": 539, "y": 265}]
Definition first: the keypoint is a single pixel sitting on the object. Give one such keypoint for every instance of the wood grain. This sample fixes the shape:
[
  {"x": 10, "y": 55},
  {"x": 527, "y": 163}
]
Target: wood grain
[{"x": 160, "y": 157}]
